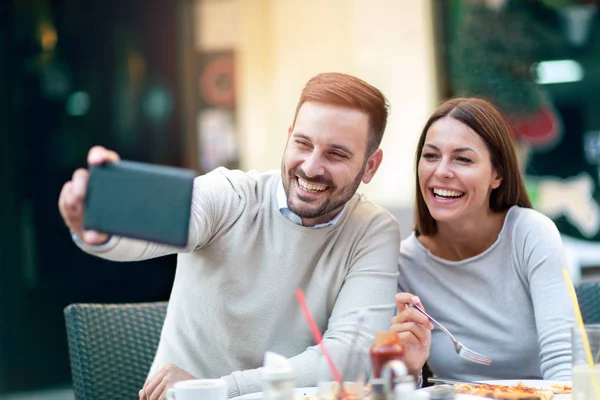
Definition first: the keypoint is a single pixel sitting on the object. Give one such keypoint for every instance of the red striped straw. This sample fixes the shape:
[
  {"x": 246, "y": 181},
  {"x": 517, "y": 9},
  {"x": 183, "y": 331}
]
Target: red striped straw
[{"x": 319, "y": 339}]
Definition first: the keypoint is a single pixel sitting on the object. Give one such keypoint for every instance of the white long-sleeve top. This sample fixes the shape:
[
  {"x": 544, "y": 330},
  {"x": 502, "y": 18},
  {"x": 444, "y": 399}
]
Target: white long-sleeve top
[{"x": 510, "y": 303}]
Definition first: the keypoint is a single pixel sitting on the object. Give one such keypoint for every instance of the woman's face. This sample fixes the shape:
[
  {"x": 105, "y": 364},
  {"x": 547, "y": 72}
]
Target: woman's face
[{"x": 455, "y": 172}]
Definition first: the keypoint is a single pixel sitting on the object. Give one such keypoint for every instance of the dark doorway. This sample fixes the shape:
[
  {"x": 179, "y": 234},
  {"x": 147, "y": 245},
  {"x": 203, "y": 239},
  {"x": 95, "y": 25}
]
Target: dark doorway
[{"x": 74, "y": 74}]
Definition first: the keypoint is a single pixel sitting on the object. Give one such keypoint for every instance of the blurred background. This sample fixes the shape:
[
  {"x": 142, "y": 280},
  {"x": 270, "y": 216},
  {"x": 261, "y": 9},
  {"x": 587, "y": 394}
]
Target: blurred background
[{"x": 204, "y": 83}]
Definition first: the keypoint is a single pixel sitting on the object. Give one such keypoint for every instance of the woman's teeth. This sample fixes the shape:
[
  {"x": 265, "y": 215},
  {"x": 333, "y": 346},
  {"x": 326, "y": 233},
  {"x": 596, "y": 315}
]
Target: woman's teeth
[{"x": 447, "y": 193}]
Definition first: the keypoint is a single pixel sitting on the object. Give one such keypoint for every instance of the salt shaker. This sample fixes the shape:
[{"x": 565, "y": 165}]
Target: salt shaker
[
  {"x": 378, "y": 389},
  {"x": 405, "y": 387},
  {"x": 277, "y": 378},
  {"x": 441, "y": 392}
]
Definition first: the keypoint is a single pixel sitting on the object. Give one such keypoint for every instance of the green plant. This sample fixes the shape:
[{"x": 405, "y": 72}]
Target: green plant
[
  {"x": 557, "y": 4},
  {"x": 492, "y": 54}
]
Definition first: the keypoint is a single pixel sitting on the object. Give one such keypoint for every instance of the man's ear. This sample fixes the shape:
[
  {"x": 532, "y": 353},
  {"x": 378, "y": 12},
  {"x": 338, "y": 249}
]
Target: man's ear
[{"x": 373, "y": 164}]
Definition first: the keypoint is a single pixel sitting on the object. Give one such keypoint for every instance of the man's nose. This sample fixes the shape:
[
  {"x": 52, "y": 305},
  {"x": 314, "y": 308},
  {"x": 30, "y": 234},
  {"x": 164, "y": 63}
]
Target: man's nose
[{"x": 313, "y": 165}]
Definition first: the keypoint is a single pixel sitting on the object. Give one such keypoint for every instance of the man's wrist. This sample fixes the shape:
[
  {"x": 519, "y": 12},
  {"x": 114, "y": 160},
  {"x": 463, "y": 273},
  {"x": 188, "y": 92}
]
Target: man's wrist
[{"x": 110, "y": 242}]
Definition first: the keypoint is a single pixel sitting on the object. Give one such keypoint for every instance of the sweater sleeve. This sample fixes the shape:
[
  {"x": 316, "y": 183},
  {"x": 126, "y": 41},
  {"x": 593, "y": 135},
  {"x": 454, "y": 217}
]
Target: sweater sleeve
[
  {"x": 370, "y": 281},
  {"x": 542, "y": 257},
  {"x": 216, "y": 201}
]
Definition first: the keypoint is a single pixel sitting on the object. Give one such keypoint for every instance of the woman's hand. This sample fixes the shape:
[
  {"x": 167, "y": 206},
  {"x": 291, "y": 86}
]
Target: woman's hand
[{"x": 414, "y": 331}]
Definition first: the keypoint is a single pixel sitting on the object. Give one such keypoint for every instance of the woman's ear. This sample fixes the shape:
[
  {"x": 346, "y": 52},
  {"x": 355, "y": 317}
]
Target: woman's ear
[{"x": 497, "y": 180}]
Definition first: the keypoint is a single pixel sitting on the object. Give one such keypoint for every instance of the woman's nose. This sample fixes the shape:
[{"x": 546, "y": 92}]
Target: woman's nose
[{"x": 444, "y": 171}]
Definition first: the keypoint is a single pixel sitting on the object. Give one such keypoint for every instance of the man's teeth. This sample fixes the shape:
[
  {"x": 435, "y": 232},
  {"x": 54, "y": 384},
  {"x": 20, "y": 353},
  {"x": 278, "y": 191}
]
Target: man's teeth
[
  {"x": 313, "y": 187},
  {"x": 447, "y": 193}
]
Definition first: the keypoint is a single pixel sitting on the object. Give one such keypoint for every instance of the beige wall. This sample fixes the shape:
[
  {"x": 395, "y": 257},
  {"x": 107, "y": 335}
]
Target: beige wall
[{"x": 280, "y": 44}]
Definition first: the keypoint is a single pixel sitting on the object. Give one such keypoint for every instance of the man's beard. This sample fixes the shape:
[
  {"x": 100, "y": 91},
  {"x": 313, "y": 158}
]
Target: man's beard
[{"x": 333, "y": 202}]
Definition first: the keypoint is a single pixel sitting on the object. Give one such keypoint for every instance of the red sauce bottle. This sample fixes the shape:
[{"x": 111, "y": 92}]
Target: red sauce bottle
[{"x": 387, "y": 347}]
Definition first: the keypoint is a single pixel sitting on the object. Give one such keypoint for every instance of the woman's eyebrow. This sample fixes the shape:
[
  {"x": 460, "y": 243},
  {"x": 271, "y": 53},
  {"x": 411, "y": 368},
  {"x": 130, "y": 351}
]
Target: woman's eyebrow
[{"x": 457, "y": 150}]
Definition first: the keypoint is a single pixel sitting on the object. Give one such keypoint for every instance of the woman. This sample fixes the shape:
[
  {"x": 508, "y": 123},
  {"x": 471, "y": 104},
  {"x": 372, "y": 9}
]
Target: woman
[{"x": 481, "y": 260}]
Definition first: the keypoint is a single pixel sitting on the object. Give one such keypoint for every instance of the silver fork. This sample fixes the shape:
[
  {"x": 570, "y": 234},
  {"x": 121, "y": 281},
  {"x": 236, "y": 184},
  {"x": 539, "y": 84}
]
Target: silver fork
[{"x": 460, "y": 348}]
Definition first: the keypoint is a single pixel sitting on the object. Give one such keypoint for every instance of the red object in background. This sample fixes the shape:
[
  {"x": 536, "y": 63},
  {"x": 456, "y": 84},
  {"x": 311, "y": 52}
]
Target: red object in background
[
  {"x": 387, "y": 347},
  {"x": 217, "y": 82},
  {"x": 540, "y": 129}
]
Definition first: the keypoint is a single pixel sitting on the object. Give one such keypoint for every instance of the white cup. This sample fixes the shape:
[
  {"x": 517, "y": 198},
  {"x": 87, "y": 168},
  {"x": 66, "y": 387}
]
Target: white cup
[{"x": 198, "y": 389}]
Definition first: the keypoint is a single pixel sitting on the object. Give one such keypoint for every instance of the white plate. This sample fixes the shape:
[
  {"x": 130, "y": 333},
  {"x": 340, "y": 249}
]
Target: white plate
[
  {"x": 458, "y": 396},
  {"x": 299, "y": 392},
  {"x": 259, "y": 396}
]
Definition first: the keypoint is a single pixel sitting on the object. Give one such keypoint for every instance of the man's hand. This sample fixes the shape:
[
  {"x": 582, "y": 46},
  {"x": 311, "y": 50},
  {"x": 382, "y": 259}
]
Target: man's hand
[
  {"x": 157, "y": 385},
  {"x": 414, "y": 330},
  {"x": 72, "y": 196}
]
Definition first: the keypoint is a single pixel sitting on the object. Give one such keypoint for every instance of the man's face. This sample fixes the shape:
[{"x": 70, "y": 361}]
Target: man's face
[{"x": 325, "y": 160}]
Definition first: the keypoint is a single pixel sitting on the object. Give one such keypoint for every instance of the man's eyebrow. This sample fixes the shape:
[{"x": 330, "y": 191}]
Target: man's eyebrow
[
  {"x": 333, "y": 146},
  {"x": 457, "y": 150},
  {"x": 301, "y": 135},
  {"x": 343, "y": 148}
]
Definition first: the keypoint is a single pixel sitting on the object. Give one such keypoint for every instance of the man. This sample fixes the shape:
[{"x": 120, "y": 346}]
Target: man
[{"x": 256, "y": 237}]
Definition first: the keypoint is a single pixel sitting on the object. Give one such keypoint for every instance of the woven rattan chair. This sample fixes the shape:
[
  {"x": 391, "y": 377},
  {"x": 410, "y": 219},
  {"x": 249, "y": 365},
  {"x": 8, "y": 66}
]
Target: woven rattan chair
[
  {"x": 588, "y": 296},
  {"x": 111, "y": 347}
]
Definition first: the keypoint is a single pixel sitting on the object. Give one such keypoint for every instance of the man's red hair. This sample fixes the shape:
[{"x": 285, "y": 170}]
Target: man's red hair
[{"x": 348, "y": 91}]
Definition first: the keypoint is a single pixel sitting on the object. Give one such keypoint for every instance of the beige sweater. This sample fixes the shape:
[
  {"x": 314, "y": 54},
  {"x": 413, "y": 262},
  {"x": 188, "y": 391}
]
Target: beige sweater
[{"x": 233, "y": 294}]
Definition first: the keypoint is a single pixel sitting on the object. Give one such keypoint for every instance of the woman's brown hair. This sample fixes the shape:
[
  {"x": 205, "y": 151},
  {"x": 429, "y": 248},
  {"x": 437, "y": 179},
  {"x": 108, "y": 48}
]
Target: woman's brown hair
[{"x": 483, "y": 118}]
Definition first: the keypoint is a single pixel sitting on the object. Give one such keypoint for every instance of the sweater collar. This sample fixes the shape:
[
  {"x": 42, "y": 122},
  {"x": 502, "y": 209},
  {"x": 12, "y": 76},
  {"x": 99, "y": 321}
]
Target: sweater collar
[{"x": 282, "y": 203}]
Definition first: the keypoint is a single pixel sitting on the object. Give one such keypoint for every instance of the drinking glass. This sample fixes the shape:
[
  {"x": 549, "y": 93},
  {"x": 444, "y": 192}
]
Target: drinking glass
[
  {"x": 586, "y": 379},
  {"x": 350, "y": 364}
]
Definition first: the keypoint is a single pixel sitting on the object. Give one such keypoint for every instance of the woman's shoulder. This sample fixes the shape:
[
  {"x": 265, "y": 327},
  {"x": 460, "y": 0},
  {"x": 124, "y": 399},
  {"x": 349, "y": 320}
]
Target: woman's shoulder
[
  {"x": 522, "y": 222},
  {"x": 523, "y": 217},
  {"x": 411, "y": 248}
]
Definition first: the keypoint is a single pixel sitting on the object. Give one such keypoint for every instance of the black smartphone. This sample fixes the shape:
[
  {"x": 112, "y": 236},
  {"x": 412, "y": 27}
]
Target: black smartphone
[{"x": 140, "y": 200}]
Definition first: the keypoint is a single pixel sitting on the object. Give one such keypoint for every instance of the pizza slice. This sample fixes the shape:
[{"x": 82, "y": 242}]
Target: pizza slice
[
  {"x": 519, "y": 391},
  {"x": 559, "y": 388},
  {"x": 482, "y": 390}
]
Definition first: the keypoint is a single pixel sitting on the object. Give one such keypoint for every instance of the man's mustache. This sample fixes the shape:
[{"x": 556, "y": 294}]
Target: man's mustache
[{"x": 319, "y": 180}]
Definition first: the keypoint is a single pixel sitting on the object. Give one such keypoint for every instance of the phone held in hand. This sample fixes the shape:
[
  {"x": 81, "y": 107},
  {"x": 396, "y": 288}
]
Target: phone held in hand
[{"x": 141, "y": 201}]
